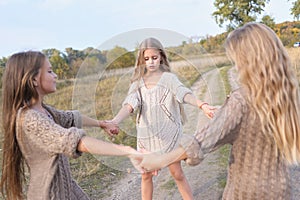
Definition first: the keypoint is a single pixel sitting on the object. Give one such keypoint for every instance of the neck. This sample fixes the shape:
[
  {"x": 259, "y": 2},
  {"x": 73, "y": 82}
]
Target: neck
[
  {"x": 156, "y": 73},
  {"x": 37, "y": 104}
]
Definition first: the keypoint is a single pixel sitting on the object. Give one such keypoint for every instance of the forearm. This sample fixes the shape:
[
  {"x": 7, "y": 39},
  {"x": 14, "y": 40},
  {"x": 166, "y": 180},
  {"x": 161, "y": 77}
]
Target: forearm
[
  {"x": 94, "y": 146},
  {"x": 154, "y": 161},
  {"x": 192, "y": 100},
  {"x": 87, "y": 121},
  {"x": 176, "y": 155},
  {"x": 122, "y": 114}
]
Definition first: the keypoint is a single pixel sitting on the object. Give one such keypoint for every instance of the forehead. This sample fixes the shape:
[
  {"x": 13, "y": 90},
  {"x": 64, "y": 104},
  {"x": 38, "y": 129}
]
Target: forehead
[
  {"x": 46, "y": 65},
  {"x": 151, "y": 51}
]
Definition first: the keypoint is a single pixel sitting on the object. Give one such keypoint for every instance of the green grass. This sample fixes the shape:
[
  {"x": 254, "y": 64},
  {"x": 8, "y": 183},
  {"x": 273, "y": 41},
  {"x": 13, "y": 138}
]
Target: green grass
[{"x": 169, "y": 185}]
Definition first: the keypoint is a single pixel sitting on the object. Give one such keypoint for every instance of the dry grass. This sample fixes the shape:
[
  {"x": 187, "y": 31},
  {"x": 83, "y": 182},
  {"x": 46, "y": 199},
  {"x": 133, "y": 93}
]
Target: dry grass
[{"x": 294, "y": 54}]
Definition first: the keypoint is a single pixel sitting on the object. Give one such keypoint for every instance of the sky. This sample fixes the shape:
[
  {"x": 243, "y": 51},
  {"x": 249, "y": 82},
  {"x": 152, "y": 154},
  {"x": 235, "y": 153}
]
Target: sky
[{"x": 43, "y": 24}]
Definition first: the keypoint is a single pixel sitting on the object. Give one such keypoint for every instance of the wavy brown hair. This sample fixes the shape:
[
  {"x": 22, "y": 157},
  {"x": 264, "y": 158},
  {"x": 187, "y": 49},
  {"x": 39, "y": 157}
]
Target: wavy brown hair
[
  {"x": 265, "y": 70},
  {"x": 18, "y": 91},
  {"x": 140, "y": 68}
]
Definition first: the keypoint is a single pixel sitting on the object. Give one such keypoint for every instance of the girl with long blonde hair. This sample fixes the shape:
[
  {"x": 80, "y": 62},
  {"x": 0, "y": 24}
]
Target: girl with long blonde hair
[
  {"x": 158, "y": 94},
  {"x": 260, "y": 120}
]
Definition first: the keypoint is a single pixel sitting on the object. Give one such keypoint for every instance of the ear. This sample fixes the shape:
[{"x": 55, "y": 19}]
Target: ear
[{"x": 35, "y": 83}]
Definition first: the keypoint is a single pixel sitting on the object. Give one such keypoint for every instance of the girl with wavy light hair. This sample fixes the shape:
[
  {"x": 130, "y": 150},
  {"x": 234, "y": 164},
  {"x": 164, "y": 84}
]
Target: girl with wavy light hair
[
  {"x": 265, "y": 71},
  {"x": 260, "y": 120}
]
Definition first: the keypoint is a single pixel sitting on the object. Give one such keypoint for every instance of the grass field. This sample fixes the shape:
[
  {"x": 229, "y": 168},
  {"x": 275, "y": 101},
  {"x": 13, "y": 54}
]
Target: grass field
[{"x": 93, "y": 175}]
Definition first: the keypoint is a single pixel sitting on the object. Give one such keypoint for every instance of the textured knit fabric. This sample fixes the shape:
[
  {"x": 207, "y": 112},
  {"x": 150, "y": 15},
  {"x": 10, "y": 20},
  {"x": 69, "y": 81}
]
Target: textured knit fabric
[
  {"x": 46, "y": 143},
  {"x": 254, "y": 172},
  {"x": 159, "y": 125}
]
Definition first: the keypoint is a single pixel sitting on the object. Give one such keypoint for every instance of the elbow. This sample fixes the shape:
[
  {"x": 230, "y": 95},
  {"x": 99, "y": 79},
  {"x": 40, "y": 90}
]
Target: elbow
[{"x": 81, "y": 147}]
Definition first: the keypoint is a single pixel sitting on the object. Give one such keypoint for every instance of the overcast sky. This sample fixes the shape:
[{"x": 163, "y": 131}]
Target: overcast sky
[{"x": 43, "y": 24}]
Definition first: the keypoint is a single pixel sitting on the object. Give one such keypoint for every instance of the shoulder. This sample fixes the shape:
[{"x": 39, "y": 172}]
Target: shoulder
[
  {"x": 30, "y": 117},
  {"x": 238, "y": 95},
  {"x": 26, "y": 113},
  {"x": 237, "y": 100},
  {"x": 169, "y": 77}
]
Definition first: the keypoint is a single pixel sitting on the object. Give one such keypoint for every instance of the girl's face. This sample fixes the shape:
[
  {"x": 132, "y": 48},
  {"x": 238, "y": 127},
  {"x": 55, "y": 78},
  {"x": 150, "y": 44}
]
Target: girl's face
[
  {"x": 152, "y": 60},
  {"x": 45, "y": 81}
]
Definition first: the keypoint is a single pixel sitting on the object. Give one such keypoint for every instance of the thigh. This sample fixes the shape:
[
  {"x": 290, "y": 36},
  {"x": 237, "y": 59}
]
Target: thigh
[{"x": 175, "y": 167}]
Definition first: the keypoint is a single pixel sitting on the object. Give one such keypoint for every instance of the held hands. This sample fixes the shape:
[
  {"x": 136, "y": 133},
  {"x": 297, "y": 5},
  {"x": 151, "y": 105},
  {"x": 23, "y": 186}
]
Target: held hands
[
  {"x": 154, "y": 172},
  {"x": 110, "y": 127},
  {"x": 208, "y": 110},
  {"x": 151, "y": 162}
]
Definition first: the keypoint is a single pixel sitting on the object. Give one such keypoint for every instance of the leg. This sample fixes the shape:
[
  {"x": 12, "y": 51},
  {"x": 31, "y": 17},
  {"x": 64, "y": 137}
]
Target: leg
[
  {"x": 182, "y": 184},
  {"x": 147, "y": 186}
]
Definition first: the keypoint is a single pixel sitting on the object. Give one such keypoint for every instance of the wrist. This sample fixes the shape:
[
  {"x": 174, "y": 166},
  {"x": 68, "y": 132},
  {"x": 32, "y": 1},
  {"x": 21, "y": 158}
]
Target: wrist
[
  {"x": 101, "y": 123},
  {"x": 202, "y": 104}
]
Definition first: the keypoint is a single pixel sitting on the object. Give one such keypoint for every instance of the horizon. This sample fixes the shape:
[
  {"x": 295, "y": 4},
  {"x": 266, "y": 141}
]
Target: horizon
[{"x": 60, "y": 24}]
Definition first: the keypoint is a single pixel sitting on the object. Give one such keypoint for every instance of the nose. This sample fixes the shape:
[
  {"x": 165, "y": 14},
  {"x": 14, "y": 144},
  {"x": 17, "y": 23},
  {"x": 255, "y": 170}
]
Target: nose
[{"x": 150, "y": 60}]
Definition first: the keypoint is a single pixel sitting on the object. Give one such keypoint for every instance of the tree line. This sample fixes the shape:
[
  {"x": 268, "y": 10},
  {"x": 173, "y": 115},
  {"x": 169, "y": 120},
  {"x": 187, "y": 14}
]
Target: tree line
[{"x": 231, "y": 14}]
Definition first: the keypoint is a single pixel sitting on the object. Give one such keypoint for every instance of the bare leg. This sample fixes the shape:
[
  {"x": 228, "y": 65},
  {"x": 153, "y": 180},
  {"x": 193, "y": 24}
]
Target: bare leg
[
  {"x": 147, "y": 186},
  {"x": 181, "y": 181}
]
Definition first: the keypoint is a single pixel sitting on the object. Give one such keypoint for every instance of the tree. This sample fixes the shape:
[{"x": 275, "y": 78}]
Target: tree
[
  {"x": 237, "y": 13},
  {"x": 295, "y": 10},
  {"x": 269, "y": 21},
  {"x": 119, "y": 57}
]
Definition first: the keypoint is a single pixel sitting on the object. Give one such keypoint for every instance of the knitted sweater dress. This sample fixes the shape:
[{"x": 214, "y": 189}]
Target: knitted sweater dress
[
  {"x": 159, "y": 123},
  {"x": 46, "y": 143},
  {"x": 255, "y": 171}
]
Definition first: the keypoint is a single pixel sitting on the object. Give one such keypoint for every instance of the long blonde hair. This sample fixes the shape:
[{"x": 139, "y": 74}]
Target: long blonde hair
[
  {"x": 140, "y": 68},
  {"x": 18, "y": 91},
  {"x": 265, "y": 70}
]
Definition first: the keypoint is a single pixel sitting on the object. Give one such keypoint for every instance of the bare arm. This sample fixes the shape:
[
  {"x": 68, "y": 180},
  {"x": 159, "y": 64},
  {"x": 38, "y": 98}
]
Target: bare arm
[
  {"x": 109, "y": 127},
  {"x": 192, "y": 100},
  {"x": 153, "y": 161},
  {"x": 122, "y": 114},
  {"x": 94, "y": 146}
]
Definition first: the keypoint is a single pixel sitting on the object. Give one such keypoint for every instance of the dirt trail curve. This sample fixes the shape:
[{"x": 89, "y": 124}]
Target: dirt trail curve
[{"x": 204, "y": 178}]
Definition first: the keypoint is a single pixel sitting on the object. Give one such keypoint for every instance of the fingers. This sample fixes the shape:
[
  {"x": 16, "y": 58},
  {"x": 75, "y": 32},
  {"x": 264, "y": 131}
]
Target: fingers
[{"x": 111, "y": 128}]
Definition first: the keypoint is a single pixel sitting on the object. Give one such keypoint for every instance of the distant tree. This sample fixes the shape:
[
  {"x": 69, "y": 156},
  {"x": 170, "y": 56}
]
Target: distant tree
[
  {"x": 269, "y": 21},
  {"x": 3, "y": 61},
  {"x": 237, "y": 13},
  {"x": 295, "y": 10},
  {"x": 119, "y": 57},
  {"x": 51, "y": 52},
  {"x": 60, "y": 66}
]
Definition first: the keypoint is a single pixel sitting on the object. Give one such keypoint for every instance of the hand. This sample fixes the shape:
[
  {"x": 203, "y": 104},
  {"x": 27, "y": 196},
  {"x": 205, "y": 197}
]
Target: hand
[
  {"x": 151, "y": 162},
  {"x": 209, "y": 110},
  {"x": 135, "y": 158},
  {"x": 110, "y": 127},
  {"x": 155, "y": 172}
]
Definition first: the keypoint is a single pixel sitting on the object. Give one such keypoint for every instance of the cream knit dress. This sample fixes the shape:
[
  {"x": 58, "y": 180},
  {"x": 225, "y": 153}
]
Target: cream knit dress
[{"x": 159, "y": 123}]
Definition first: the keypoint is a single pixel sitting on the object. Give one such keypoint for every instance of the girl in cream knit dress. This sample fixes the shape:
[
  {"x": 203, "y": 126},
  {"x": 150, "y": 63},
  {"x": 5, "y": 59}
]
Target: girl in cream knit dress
[{"x": 157, "y": 95}]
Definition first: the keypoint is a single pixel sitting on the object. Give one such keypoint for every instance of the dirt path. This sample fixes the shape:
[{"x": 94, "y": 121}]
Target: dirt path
[{"x": 205, "y": 179}]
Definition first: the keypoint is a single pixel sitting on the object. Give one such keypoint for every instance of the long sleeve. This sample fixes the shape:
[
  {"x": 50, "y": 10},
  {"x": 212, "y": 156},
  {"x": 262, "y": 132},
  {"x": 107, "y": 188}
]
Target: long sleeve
[
  {"x": 43, "y": 133},
  {"x": 222, "y": 129},
  {"x": 66, "y": 119}
]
